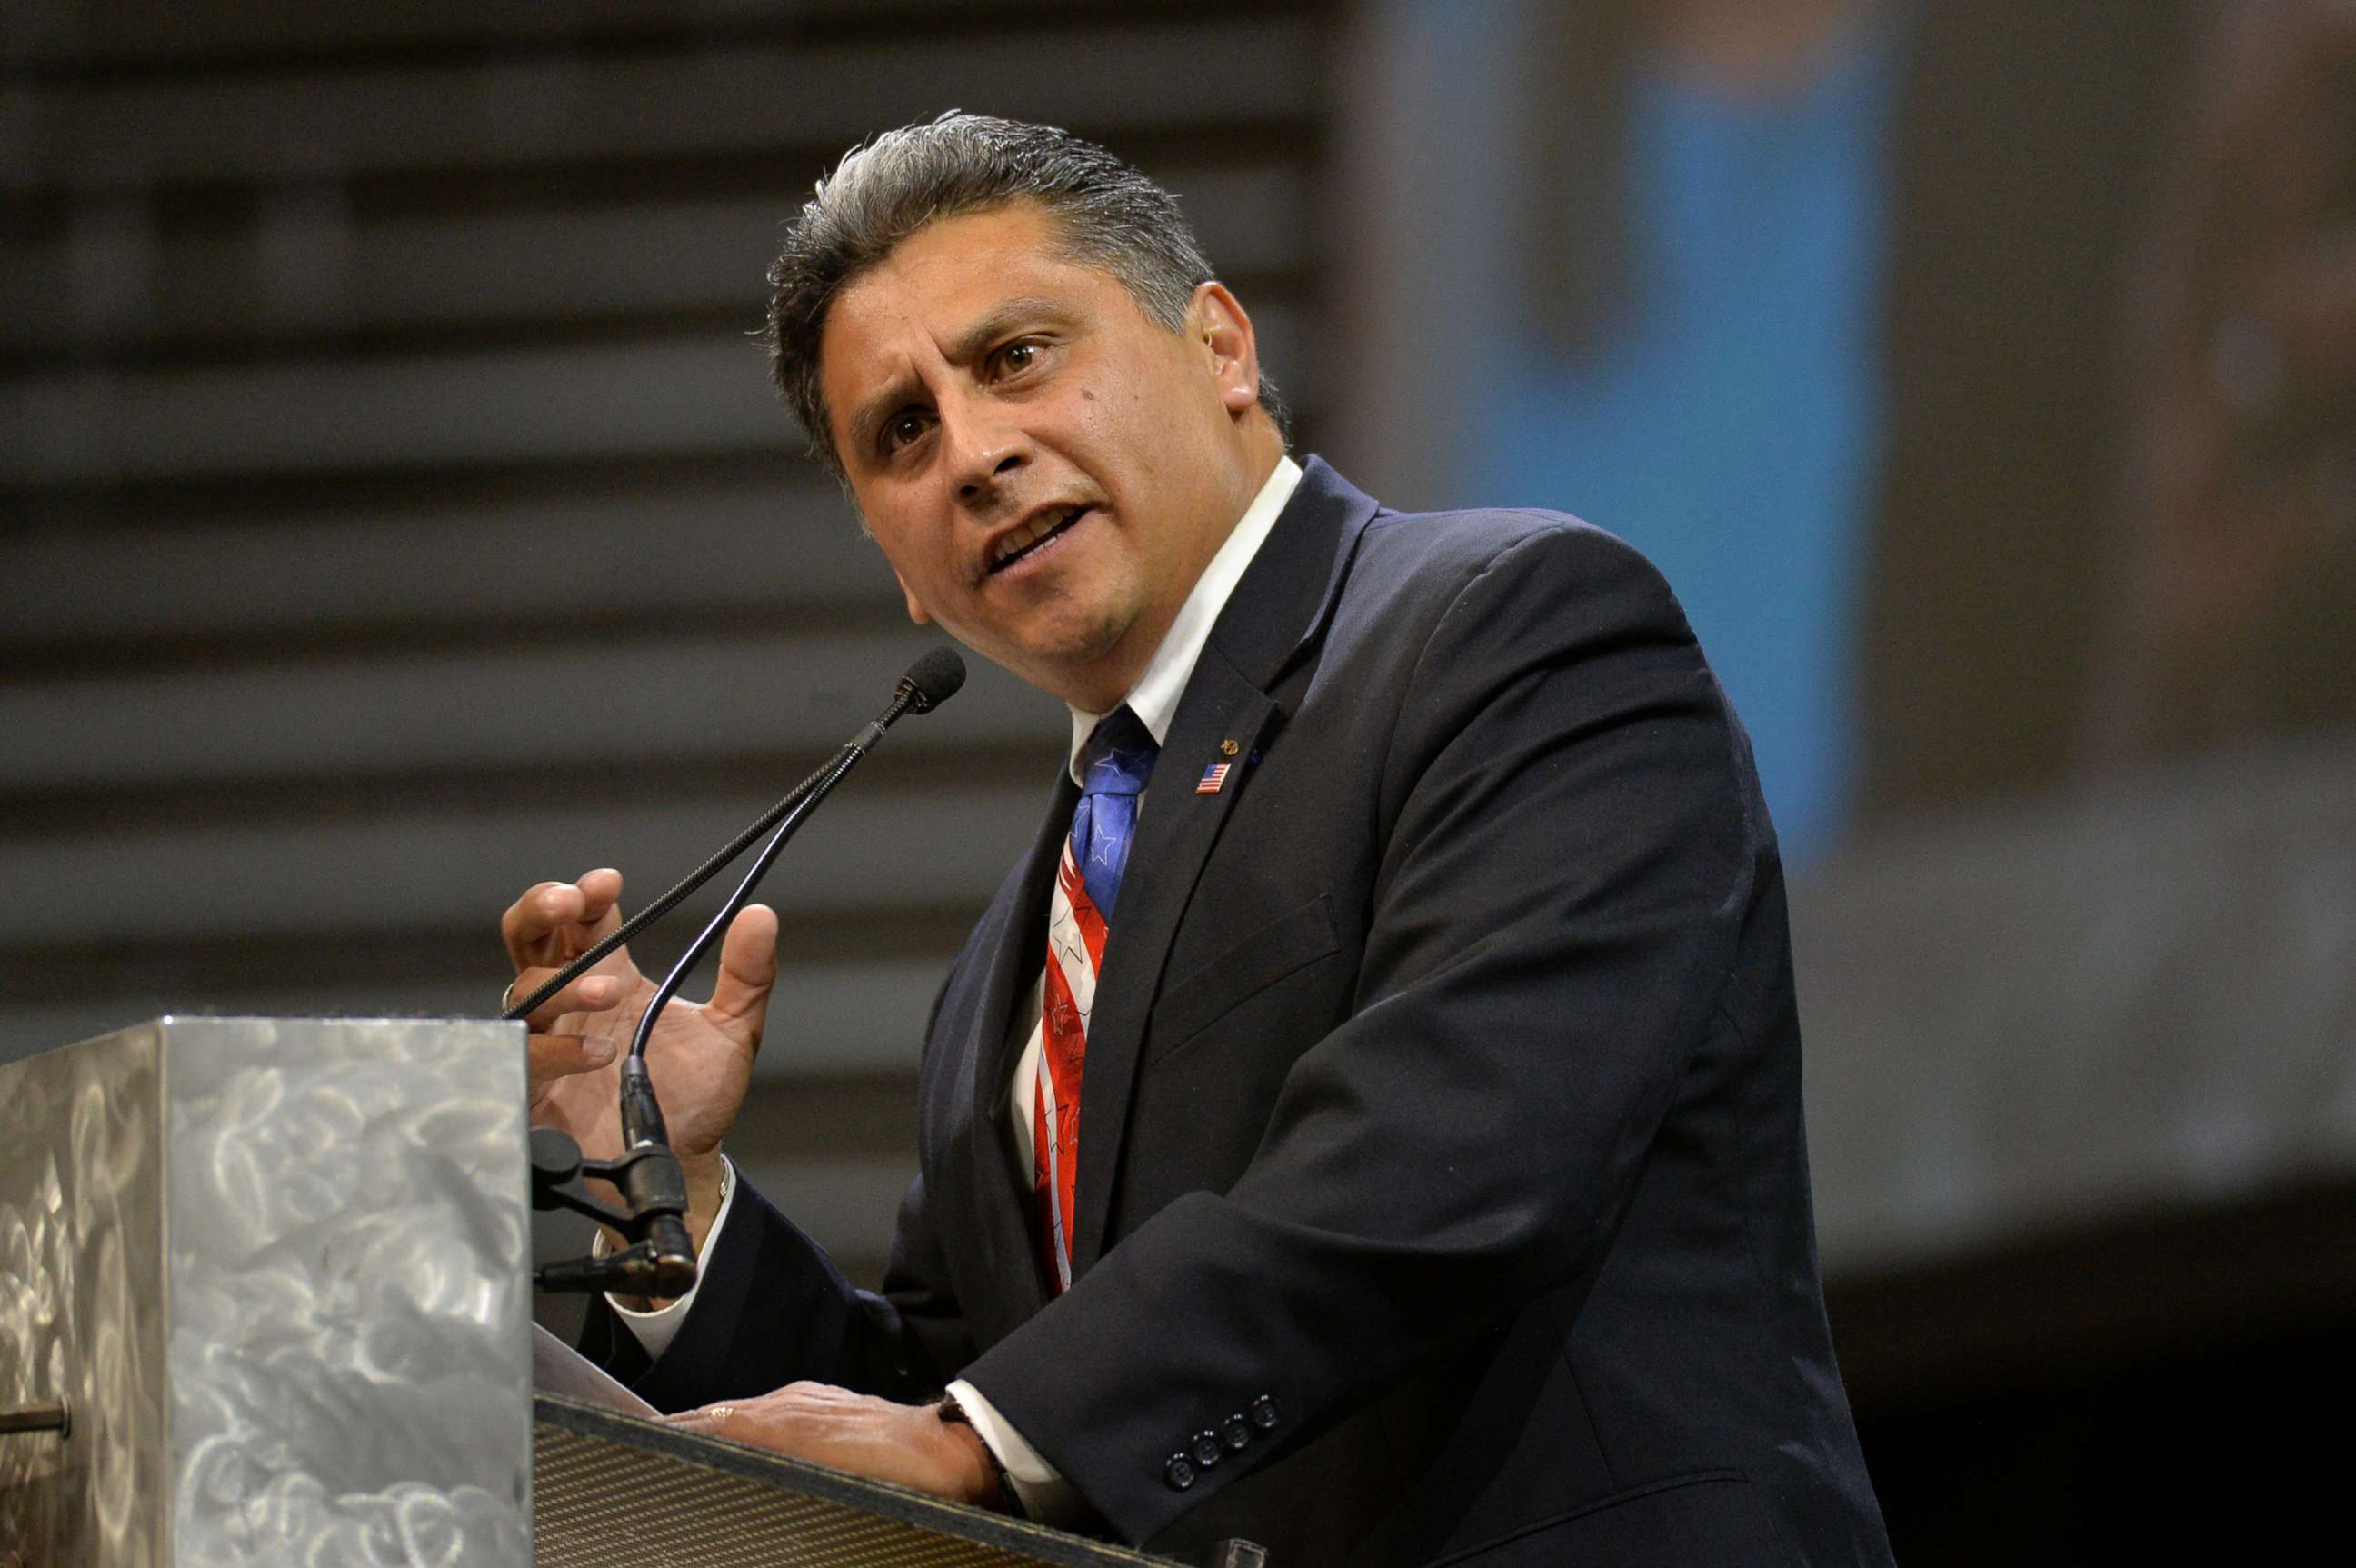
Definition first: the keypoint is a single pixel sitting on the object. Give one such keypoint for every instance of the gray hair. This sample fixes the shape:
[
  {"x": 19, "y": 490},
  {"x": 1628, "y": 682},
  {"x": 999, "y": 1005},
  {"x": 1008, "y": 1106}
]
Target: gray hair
[{"x": 1113, "y": 219}]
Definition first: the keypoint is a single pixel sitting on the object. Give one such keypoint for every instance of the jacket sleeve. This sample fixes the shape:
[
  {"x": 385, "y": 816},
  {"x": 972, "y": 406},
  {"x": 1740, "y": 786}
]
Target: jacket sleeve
[
  {"x": 1566, "y": 854},
  {"x": 771, "y": 1308}
]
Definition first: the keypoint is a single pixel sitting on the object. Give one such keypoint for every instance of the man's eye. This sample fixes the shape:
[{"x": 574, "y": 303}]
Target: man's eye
[
  {"x": 902, "y": 429},
  {"x": 1016, "y": 357}
]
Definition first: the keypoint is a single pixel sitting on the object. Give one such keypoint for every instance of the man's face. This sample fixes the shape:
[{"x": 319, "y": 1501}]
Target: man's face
[{"x": 1047, "y": 468}]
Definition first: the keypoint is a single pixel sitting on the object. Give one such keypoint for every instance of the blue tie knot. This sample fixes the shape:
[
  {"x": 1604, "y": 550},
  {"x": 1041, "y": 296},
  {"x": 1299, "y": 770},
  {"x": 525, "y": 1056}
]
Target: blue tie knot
[
  {"x": 1118, "y": 761},
  {"x": 1120, "y": 755}
]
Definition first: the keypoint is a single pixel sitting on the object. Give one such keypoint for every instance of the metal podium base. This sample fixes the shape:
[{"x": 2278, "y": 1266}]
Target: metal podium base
[
  {"x": 612, "y": 1491},
  {"x": 273, "y": 1269}
]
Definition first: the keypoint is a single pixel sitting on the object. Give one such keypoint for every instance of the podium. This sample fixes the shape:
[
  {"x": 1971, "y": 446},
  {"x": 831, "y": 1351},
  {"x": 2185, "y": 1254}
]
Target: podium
[{"x": 264, "y": 1300}]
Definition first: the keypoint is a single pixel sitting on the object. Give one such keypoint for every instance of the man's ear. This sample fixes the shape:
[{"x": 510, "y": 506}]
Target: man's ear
[
  {"x": 1216, "y": 319},
  {"x": 916, "y": 610}
]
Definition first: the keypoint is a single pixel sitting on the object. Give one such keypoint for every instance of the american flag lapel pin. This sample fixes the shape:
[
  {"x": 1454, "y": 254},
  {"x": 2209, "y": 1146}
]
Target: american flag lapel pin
[{"x": 1214, "y": 780}]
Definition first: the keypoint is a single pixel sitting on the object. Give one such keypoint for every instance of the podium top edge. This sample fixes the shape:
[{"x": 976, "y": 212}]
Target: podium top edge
[
  {"x": 166, "y": 1026},
  {"x": 369, "y": 1020},
  {"x": 1035, "y": 1543}
]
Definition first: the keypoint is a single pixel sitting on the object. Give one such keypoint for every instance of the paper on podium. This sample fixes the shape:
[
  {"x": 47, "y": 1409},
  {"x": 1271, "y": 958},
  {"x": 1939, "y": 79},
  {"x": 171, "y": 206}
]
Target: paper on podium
[{"x": 558, "y": 1368}]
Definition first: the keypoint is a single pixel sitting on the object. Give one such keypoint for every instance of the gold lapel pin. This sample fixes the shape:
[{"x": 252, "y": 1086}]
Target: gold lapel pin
[{"x": 1228, "y": 749}]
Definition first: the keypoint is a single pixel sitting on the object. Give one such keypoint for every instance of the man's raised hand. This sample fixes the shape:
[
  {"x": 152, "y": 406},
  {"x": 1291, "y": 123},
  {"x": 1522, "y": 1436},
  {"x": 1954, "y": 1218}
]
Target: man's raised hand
[{"x": 701, "y": 1055}]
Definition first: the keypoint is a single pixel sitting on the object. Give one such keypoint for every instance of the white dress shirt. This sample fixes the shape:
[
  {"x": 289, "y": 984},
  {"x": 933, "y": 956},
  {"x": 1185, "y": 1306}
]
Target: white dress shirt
[{"x": 1045, "y": 1495}]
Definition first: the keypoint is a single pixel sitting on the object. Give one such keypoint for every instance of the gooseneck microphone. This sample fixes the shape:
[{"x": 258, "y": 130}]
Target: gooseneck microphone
[
  {"x": 660, "y": 1258},
  {"x": 930, "y": 681}
]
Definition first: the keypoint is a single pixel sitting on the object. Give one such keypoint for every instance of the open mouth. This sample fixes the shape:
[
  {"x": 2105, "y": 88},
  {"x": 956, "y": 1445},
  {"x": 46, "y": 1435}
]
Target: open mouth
[{"x": 1035, "y": 535}]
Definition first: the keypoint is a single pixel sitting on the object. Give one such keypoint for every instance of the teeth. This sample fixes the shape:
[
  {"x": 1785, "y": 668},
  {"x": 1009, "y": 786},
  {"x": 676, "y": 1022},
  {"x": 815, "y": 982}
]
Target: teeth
[{"x": 1023, "y": 538}]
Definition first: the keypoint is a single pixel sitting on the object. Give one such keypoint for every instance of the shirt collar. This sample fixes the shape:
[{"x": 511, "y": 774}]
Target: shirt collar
[{"x": 1155, "y": 698}]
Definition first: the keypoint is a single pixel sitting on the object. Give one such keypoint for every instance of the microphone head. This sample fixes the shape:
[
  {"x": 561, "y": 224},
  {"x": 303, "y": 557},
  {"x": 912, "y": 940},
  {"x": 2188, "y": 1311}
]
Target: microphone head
[{"x": 933, "y": 679}]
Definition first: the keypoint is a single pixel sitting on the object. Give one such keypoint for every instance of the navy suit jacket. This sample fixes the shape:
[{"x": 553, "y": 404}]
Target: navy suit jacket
[{"x": 1440, "y": 1167}]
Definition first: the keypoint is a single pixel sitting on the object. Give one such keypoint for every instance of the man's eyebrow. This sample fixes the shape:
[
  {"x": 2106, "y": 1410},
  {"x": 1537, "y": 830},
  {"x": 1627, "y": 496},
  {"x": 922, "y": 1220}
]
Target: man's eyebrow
[
  {"x": 868, "y": 416},
  {"x": 1003, "y": 317}
]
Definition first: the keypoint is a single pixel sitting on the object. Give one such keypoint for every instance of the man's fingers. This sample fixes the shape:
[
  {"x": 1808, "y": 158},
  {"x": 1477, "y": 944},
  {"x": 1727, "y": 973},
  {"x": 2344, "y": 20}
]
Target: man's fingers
[
  {"x": 709, "y": 1419},
  {"x": 769, "y": 1421},
  {"x": 590, "y": 994},
  {"x": 559, "y": 919},
  {"x": 780, "y": 1417},
  {"x": 561, "y": 1055},
  {"x": 748, "y": 968},
  {"x": 523, "y": 924},
  {"x": 601, "y": 891},
  {"x": 550, "y": 1055}
]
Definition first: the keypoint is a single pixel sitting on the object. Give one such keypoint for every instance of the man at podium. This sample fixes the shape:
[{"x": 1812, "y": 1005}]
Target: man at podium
[{"x": 1369, "y": 1120}]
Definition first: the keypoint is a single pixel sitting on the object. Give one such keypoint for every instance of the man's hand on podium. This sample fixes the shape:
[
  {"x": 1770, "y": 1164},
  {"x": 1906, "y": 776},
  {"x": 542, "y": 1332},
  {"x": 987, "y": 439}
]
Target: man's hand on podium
[
  {"x": 701, "y": 1056},
  {"x": 908, "y": 1445}
]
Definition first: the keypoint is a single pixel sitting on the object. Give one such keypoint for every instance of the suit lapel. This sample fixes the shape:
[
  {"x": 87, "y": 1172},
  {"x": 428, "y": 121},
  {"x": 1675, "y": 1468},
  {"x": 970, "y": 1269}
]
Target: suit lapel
[
  {"x": 1275, "y": 616},
  {"x": 998, "y": 1190},
  {"x": 1175, "y": 830}
]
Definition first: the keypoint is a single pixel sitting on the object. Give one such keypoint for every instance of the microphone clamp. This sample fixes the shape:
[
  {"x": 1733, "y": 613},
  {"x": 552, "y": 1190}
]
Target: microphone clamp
[{"x": 660, "y": 1259}]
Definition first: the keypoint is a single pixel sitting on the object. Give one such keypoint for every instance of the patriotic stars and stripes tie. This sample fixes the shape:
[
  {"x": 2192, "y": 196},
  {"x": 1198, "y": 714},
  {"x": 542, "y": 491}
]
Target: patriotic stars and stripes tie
[{"x": 1119, "y": 758}]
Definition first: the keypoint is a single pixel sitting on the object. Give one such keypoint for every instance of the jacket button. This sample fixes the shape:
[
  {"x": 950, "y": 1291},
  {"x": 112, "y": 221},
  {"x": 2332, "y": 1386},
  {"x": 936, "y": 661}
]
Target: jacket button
[
  {"x": 1235, "y": 1432},
  {"x": 1206, "y": 1450},
  {"x": 1263, "y": 1413},
  {"x": 1179, "y": 1472}
]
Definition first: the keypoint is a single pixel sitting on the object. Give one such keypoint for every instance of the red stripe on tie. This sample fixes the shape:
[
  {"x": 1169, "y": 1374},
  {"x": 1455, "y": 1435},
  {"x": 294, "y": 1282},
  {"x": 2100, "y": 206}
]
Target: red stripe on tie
[{"x": 1071, "y": 969}]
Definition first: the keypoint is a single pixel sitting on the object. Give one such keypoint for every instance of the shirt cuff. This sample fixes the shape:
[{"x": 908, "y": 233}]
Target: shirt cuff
[
  {"x": 654, "y": 1330},
  {"x": 1045, "y": 1496}
]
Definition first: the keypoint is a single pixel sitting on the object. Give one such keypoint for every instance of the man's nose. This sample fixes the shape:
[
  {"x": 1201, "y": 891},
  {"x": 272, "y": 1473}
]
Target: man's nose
[{"x": 984, "y": 447}]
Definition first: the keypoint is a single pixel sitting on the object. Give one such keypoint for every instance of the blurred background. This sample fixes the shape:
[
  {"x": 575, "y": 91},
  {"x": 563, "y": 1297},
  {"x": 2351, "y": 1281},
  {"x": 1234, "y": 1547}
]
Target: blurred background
[{"x": 393, "y": 512}]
